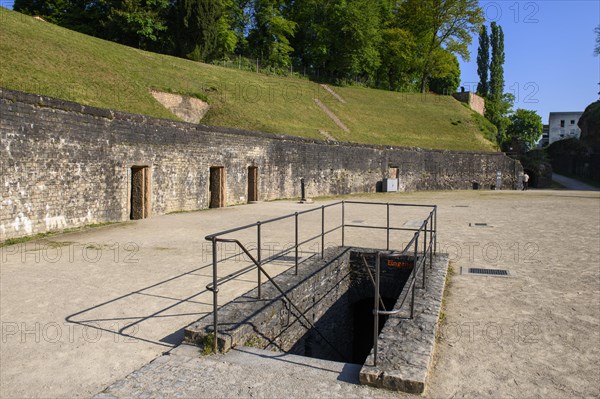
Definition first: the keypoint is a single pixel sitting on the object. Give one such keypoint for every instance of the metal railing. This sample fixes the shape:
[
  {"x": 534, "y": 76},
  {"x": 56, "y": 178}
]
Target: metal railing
[{"x": 429, "y": 226}]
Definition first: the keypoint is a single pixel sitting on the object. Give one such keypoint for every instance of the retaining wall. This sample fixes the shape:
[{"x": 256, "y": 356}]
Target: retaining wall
[{"x": 66, "y": 165}]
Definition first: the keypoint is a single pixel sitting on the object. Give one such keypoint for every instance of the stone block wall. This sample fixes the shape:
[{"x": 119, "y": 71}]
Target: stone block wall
[
  {"x": 476, "y": 102},
  {"x": 67, "y": 165},
  {"x": 272, "y": 323},
  {"x": 325, "y": 291}
]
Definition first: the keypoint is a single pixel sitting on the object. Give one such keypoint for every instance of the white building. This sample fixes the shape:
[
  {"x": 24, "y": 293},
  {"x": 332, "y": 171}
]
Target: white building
[{"x": 563, "y": 125}]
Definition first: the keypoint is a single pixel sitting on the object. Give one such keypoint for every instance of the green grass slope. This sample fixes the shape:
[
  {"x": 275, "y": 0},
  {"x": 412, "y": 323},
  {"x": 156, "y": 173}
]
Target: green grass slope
[{"x": 42, "y": 58}]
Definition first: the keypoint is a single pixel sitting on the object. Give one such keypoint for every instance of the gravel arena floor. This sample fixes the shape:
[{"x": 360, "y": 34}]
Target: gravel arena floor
[{"x": 82, "y": 311}]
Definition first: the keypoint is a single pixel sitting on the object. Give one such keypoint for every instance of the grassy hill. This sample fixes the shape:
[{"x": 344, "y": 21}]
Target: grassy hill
[{"x": 42, "y": 58}]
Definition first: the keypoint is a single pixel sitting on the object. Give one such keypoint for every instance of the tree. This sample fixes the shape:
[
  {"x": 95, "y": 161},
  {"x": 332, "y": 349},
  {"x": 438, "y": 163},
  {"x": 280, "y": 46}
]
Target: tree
[
  {"x": 497, "y": 113},
  {"x": 270, "y": 36},
  {"x": 137, "y": 23},
  {"x": 356, "y": 39},
  {"x": 313, "y": 37},
  {"x": 437, "y": 24},
  {"x": 203, "y": 29},
  {"x": 398, "y": 69},
  {"x": 597, "y": 47},
  {"x": 51, "y": 10},
  {"x": 445, "y": 74},
  {"x": 497, "y": 104},
  {"x": 483, "y": 61},
  {"x": 525, "y": 128},
  {"x": 338, "y": 39},
  {"x": 85, "y": 16},
  {"x": 496, "y": 85}
]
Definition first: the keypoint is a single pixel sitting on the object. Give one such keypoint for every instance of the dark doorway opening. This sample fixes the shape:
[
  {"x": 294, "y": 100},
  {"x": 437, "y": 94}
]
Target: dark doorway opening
[
  {"x": 217, "y": 187},
  {"x": 533, "y": 178},
  {"x": 140, "y": 193},
  {"x": 252, "y": 183}
]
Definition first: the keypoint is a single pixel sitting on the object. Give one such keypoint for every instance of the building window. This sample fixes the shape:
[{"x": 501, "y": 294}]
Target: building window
[
  {"x": 562, "y": 123},
  {"x": 572, "y": 121}
]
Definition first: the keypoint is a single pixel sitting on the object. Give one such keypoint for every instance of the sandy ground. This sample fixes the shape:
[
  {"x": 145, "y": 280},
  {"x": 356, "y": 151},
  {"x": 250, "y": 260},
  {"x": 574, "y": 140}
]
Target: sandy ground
[{"x": 82, "y": 310}]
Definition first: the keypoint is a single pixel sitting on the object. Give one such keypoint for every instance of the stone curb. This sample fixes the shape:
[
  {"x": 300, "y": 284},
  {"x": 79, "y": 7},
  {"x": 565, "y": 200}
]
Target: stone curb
[{"x": 406, "y": 346}]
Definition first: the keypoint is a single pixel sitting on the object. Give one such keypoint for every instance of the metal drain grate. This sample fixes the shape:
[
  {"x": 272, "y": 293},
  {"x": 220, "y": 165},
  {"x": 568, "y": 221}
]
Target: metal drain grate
[
  {"x": 493, "y": 272},
  {"x": 486, "y": 272}
]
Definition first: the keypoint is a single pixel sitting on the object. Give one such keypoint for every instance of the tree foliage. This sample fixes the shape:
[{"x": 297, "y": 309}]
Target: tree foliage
[
  {"x": 497, "y": 104},
  {"x": 270, "y": 37},
  {"x": 409, "y": 45},
  {"x": 203, "y": 29},
  {"x": 496, "y": 85},
  {"x": 437, "y": 24},
  {"x": 597, "y": 47},
  {"x": 483, "y": 61},
  {"x": 137, "y": 23},
  {"x": 525, "y": 128}
]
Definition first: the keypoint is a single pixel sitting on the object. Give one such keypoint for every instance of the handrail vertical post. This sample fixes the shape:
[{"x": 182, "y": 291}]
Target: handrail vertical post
[
  {"x": 343, "y": 221},
  {"x": 322, "y": 231},
  {"x": 387, "y": 247},
  {"x": 258, "y": 257},
  {"x": 376, "y": 311},
  {"x": 414, "y": 276},
  {"x": 296, "y": 228},
  {"x": 425, "y": 251},
  {"x": 215, "y": 294},
  {"x": 435, "y": 229},
  {"x": 432, "y": 241}
]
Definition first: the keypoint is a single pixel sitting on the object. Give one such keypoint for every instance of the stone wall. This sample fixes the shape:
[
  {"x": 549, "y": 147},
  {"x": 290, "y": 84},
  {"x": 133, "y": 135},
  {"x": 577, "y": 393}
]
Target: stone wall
[
  {"x": 476, "y": 102},
  {"x": 66, "y": 165},
  {"x": 325, "y": 292},
  {"x": 272, "y": 322}
]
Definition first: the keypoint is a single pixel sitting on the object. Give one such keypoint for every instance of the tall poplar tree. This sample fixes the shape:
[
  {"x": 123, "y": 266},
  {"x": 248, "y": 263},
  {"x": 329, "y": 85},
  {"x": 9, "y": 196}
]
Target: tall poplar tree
[
  {"x": 483, "y": 62},
  {"x": 498, "y": 104},
  {"x": 496, "y": 85}
]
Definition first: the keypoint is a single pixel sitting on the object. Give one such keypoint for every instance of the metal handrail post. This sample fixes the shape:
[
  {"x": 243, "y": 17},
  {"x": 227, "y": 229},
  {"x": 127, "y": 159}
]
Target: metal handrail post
[
  {"x": 424, "y": 251},
  {"x": 414, "y": 276},
  {"x": 322, "y": 231},
  {"x": 259, "y": 258},
  {"x": 215, "y": 294},
  {"x": 432, "y": 241},
  {"x": 387, "y": 247},
  {"x": 296, "y": 228},
  {"x": 343, "y": 221},
  {"x": 376, "y": 311},
  {"x": 435, "y": 229}
]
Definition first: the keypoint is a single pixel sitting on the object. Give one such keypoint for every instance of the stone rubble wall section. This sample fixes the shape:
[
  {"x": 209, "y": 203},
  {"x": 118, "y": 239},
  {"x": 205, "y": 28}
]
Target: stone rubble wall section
[
  {"x": 66, "y": 165},
  {"x": 271, "y": 323}
]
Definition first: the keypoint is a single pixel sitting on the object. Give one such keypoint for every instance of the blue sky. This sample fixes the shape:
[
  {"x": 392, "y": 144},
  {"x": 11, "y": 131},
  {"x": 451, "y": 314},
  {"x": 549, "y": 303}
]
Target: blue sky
[{"x": 549, "y": 45}]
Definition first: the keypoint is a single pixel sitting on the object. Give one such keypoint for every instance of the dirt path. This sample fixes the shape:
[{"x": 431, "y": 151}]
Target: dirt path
[
  {"x": 333, "y": 93},
  {"x": 331, "y": 115},
  {"x": 573, "y": 184}
]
